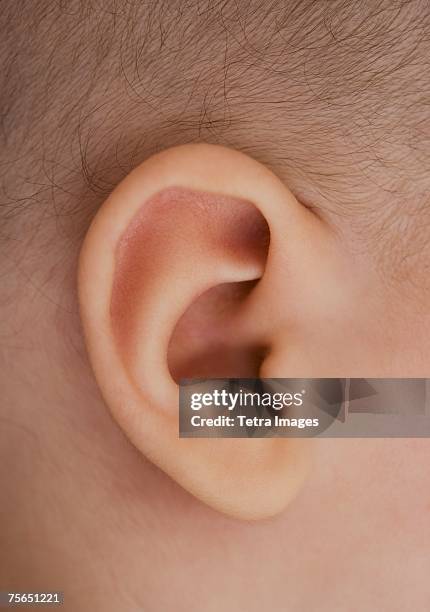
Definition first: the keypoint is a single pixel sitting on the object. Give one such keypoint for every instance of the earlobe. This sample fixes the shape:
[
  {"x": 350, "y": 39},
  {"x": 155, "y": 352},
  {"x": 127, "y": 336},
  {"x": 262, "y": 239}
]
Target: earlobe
[{"x": 179, "y": 276}]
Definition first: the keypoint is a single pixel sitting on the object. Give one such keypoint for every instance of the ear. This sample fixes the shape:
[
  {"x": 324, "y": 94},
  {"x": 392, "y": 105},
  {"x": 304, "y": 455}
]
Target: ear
[{"x": 196, "y": 266}]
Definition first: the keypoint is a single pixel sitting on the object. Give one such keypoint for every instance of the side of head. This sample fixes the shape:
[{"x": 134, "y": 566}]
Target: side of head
[{"x": 198, "y": 191}]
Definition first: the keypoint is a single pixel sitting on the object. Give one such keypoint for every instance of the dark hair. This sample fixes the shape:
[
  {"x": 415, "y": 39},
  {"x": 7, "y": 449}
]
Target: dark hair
[{"x": 332, "y": 94}]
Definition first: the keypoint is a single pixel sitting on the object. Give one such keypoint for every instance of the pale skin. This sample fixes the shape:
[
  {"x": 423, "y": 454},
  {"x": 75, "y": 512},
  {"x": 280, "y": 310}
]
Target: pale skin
[{"x": 104, "y": 502}]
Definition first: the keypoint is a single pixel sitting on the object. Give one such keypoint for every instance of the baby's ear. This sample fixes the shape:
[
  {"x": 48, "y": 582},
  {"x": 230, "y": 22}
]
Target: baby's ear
[{"x": 188, "y": 271}]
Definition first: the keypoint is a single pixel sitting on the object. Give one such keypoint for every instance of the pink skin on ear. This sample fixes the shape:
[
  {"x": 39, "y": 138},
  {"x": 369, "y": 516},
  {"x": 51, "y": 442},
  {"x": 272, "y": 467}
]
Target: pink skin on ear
[{"x": 172, "y": 242}]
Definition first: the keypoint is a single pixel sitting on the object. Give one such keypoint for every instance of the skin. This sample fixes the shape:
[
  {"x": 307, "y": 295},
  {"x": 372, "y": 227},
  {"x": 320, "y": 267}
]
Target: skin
[{"x": 83, "y": 508}]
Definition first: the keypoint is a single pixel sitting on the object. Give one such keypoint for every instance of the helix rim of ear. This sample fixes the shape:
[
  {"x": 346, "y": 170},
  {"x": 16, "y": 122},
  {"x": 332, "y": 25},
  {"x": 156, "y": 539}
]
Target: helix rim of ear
[{"x": 245, "y": 478}]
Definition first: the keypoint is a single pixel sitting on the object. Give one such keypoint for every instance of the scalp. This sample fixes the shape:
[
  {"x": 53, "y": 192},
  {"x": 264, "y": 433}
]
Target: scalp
[{"x": 331, "y": 94}]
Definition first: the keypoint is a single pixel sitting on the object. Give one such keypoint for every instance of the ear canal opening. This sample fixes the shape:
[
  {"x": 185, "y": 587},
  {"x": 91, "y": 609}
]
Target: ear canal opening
[{"x": 209, "y": 340}]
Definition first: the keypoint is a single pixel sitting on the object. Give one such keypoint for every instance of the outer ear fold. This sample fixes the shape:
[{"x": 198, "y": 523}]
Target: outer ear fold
[{"x": 185, "y": 272}]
